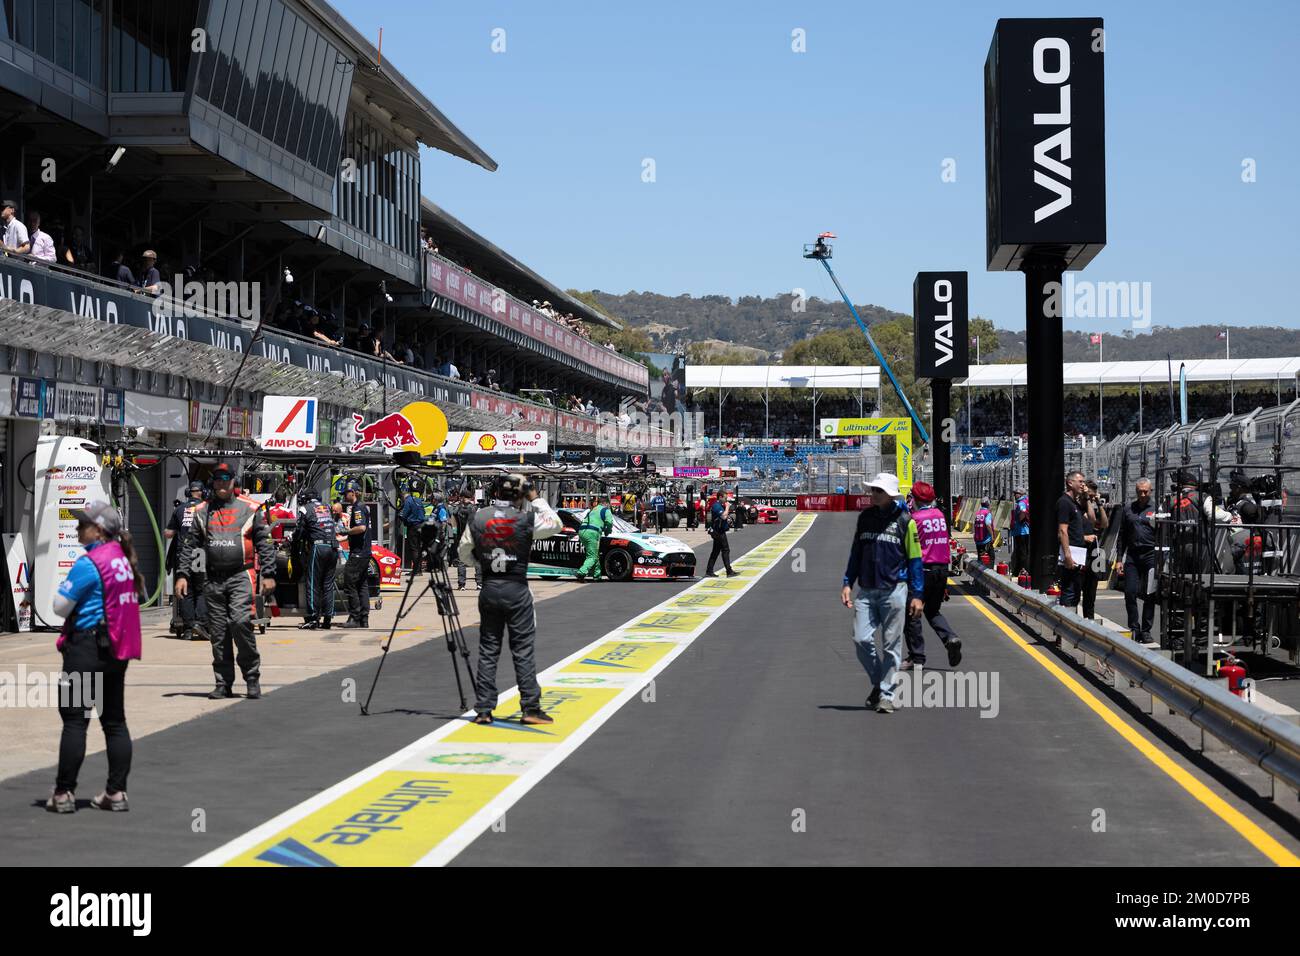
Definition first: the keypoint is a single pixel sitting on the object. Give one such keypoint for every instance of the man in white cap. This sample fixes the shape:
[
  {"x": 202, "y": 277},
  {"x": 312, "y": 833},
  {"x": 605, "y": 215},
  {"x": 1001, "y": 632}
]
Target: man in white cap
[{"x": 885, "y": 565}]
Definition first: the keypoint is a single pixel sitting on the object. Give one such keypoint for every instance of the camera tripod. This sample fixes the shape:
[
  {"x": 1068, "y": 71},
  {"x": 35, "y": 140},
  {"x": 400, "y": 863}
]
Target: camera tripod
[{"x": 440, "y": 584}]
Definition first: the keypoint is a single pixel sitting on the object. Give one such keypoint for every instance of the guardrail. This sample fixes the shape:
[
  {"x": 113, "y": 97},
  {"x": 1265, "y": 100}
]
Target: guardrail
[{"x": 1270, "y": 742}]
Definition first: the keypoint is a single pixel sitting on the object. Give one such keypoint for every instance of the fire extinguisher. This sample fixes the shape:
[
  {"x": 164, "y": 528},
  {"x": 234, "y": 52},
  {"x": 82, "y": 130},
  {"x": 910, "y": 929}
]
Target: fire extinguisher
[
  {"x": 1002, "y": 568},
  {"x": 1023, "y": 579},
  {"x": 986, "y": 559},
  {"x": 1235, "y": 672}
]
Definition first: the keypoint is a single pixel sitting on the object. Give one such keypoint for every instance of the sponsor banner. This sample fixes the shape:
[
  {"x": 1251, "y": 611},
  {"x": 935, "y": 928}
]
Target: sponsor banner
[
  {"x": 691, "y": 471},
  {"x": 775, "y": 501},
  {"x": 820, "y": 502},
  {"x": 404, "y": 810},
  {"x": 509, "y": 444},
  {"x": 841, "y": 427},
  {"x": 940, "y": 343},
  {"x": 66, "y": 401},
  {"x": 620, "y": 656},
  {"x": 19, "y": 573},
  {"x": 112, "y": 410},
  {"x": 392, "y": 820},
  {"x": 289, "y": 423},
  {"x": 67, "y": 477},
  {"x": 446, "y": 280},
  {"x": 576, "y": 454},
  {"x": 28, "y": 397}
]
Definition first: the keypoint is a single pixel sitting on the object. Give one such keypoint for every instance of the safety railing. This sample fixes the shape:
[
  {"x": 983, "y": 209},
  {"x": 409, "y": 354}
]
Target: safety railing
[{"x": 1269, "y": 741}]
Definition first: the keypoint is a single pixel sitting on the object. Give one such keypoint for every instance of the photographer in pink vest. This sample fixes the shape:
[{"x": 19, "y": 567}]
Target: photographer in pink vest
[
  {"x": 936, "y": 552},
  {"x": 100, "y": 604}
]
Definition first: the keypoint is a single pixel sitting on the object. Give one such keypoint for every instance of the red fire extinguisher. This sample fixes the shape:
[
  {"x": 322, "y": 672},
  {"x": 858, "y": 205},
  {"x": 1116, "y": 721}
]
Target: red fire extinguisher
[
  {"x": 1023, "y": 579},
  {"x": 1002, "y": 568},
  {"x": 986, "y": 559},
  {"x": 1235, "y": 672}
]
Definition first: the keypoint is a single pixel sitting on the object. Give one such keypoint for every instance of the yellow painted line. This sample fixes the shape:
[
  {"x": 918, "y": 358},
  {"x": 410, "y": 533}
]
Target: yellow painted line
[
  {"x": 621, "y": 657},
  {"x": 1252, "y": 833}
]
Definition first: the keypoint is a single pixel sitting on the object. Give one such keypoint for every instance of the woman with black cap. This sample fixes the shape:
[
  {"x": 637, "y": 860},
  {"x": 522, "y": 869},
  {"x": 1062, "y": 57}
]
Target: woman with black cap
[{"x": 100, "y": 604}]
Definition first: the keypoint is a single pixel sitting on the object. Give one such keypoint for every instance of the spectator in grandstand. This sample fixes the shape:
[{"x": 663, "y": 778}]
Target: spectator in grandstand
[
  {"x": 1095, "y": 522},
  {"x": 936, "y": 554},
  {"x": 1069, "y": 534},
  {"x": 315, "y": 328},
  {"x": 491, "y": 380},
  {"x": 1137, "y": 546},
  {"x": 119, "y": 271},
  {"x": 885, "y": 566},
  {"x": 42, "y": 246},
  {"x": 150, "y": 280},
  {"x": 77, "y": 253},
  {"x": 16, "y": 239},
  {"x": 1020, "y": 533}
]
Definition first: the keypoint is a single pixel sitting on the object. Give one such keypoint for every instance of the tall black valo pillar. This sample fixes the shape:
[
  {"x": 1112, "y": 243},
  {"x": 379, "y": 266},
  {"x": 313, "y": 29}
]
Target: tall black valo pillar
[
  {"x": 941, "y": 353},
  {"x": 941, "y": 450},
  {"x": 1046, "y": 413},
  {"x": 1045, "y": 191}
]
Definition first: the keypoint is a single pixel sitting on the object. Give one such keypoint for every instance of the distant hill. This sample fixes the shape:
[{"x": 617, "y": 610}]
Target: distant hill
[{"x": 773, "y": 325}]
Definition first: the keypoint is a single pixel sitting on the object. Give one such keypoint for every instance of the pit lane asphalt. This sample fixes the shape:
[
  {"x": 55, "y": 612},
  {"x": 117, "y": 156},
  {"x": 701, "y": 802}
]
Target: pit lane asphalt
[
  {"x": 245, "y": 764},
  {"x": 758, "y": 724},
  {"x": 762, "y": 721}
]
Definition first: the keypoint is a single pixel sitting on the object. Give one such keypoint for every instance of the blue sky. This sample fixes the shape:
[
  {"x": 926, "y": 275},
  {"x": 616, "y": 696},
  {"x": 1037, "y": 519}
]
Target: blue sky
[{"x": 758, "y": 148}]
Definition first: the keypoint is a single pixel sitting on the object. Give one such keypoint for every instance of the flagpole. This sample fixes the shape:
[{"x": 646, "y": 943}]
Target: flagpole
[{"x": 1227, "y": 343}]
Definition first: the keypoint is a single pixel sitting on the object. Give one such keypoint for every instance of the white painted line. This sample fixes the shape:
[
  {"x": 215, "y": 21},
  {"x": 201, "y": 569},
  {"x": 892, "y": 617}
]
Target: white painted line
[{"x": 547, "y": 757}]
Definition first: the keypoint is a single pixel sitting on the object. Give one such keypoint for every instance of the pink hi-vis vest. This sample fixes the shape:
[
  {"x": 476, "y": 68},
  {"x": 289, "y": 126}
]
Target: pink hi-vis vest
[
  {"x": 121, "y": 604},
  {"x": 982, "y": 525},
  {"x": 932, "y": 532}
]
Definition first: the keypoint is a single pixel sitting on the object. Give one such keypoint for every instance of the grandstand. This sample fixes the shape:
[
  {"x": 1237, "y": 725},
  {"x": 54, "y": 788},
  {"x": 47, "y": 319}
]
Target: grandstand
[{"x": 274, "y": 177}]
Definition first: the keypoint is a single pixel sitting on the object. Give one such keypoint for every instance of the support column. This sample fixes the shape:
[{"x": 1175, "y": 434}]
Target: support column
[
  {"x": 1043, "y": 329},
  {"x": 940, "y": 447}
]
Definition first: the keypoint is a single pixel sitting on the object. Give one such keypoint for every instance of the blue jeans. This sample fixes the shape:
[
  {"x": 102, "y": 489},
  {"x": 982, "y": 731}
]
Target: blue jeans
[{"x": 886, "y": 609}]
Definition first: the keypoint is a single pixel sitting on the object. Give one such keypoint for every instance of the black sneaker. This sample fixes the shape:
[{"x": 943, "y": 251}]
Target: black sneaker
[
  {"x": 220, "y": 692},
  {"x": 351, "y": 622},
  {"x": 326, "y": 624},
  {"x": 483, "y": 718},
  {"x": 537, "y": 716},
  {"x": 954, "y": 652},
  {"x": 254, "y": 690},
  {"x": 308, "y": 626},
  {"x": 710, "y": 574},
  {"x": 733, "y": 574},
  {"x": 873, "y": 698},
  {"x": 365, "y": 623}
]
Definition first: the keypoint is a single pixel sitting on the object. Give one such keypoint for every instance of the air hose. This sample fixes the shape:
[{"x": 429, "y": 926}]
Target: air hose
[{"x": 157, "y": 537}]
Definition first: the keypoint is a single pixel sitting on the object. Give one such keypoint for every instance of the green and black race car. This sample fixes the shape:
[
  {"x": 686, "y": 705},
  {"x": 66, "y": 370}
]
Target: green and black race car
[{"x": 626, "y": 554}]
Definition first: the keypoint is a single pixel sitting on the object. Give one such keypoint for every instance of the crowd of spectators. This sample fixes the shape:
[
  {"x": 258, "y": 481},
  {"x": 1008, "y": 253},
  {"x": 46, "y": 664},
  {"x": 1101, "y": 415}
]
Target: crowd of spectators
[{"x": 784, "y": 418}]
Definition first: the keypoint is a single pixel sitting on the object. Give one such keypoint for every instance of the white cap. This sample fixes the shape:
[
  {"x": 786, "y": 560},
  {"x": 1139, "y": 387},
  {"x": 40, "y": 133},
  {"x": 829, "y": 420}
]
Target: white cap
[{"x": 885, "y": 482}]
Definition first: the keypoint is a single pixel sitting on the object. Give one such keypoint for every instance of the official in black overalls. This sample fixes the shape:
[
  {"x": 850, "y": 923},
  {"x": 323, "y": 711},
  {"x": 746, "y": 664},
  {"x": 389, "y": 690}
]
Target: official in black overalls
[
  {"x": 1137, "y": 539},
  {"x": 191, "y": 607},
  {"x": 357, "y": 568},
  {"x": 500, "y": 538},
  {"x": 321, "y": 551}
]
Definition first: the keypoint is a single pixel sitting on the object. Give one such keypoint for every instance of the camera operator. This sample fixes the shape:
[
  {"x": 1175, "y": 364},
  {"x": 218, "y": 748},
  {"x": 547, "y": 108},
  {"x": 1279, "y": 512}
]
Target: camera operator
[{"x": 500, "y": 538}]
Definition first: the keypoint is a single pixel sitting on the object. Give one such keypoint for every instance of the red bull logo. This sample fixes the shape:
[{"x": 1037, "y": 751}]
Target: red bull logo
[{"x": 392, "y": 431}]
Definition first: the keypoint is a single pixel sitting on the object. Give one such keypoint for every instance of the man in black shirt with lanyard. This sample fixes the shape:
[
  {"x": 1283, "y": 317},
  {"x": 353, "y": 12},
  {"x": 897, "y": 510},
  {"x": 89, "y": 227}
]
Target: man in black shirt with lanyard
[
  {"x": 1137, "y": 541},
  {"x": 1069, "y": 534},
  {"x": 321, "y": 553},
  {"x": 357, "y": 567}
]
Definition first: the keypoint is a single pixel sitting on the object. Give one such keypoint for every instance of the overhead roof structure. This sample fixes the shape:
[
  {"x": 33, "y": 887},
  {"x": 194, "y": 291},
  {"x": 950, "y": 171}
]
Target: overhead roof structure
[
  {"x": 1134, "y": 373},
  {"x": 782, "y": 376},
  {"x": 384, "y": 86}
]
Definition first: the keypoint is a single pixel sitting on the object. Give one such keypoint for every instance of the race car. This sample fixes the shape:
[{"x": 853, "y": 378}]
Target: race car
[
  {"x": 625, "y": 555},
  {"x": 763, "y": 514}
]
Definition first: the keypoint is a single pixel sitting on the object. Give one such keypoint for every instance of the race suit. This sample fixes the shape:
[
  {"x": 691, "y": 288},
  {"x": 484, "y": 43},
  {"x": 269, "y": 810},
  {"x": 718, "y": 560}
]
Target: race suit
[
  {"x": 191, "y": 606},
  {"x": 599, "y": 522},
  {"x": 236, "y": 545},
  {"x": 357, "y": 567},
  {"x": 316, "y": 526},
  {"x": 500, "y": 538}
]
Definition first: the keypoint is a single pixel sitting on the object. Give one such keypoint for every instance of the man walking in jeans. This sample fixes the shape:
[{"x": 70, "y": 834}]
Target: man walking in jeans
[
  {"x": 1137, "y": 541},
  {"x": 885, "y": 564}
]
